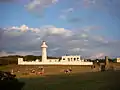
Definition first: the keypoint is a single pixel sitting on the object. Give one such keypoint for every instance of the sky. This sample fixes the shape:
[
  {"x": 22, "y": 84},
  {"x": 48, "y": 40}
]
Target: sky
[{"x": 89, "y": 28}]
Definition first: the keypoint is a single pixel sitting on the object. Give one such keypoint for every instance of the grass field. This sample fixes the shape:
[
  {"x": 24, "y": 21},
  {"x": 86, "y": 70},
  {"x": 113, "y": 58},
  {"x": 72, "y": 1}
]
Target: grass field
[
  {"x": 54, "y": 79},
  {"x": 49, "y": 70},
  {"x": 83, "y": 81}
]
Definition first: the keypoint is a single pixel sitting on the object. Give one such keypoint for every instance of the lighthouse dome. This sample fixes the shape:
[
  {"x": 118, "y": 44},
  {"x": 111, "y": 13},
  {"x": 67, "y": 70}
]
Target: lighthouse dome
[{"x": 44, "y": 45}]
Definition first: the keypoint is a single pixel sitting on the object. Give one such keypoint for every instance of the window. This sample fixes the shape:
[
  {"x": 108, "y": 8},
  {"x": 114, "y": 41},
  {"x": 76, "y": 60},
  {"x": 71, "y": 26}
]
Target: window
[
  {"x": 63, "y": 58},
  {"x": 69, "y": 59},
  {"x": 77, "y": 58},
  {"x": 74, "y": 59}
]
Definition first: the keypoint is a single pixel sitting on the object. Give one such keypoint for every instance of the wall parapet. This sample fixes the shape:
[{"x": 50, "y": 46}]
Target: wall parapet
[{"x": 21, "y": 62}]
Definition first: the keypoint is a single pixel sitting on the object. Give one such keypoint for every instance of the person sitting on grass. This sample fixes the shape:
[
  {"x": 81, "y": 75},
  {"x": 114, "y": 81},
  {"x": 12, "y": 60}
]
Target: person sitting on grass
[
  {"x": 12, "y": 72},
  {"x": 33, "y": 71},
  {"x": 65, "y": 71},
  {"x": 42, "y": 70},
  {"x": 70, "y": 70}
]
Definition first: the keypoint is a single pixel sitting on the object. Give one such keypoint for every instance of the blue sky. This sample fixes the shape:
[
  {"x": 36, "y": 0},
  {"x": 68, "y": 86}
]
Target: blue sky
[{"x": 72, "y": 15}]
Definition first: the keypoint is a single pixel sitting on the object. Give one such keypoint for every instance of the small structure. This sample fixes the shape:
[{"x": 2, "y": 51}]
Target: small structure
[
  {"x": 102, "y": 67},
  {"x": 106, "y": 63},
  {"x": 65, "y": 60},
  {"x": 118, "y": 60}
]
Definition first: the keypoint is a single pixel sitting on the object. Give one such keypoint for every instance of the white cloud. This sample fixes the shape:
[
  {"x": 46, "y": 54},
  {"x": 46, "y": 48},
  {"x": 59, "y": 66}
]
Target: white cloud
[
  {"x": 89, "y": 28},
  {"x": 3, "y": 53},
  {"x": 98, "y": 55},
  {"x": 54, "y": 49},
  {"x": 85, "y": 40},
  {"x": 39, "y": 4},
  {"x": 59, "y": 31},
  {"x": 84, "y": 35},
  {"x": 100, "y": 38},
  {"x": 76, "y": 50},
  {"x": 60, "y": 41},
  {"x": 22, "y": 28}
]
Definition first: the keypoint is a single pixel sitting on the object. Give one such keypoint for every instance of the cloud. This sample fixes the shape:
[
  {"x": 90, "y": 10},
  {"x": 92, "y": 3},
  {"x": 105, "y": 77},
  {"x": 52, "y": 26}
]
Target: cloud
[
  {"x": 77, "y": 50},
  {"x": 87, "y": 3},
  {"x": 3, "y": 53},
  {"x": 89, "y": 28},
  {"x": 108, "y": 6},
  {"x": 22, "y": 28},
  {"x": 98, "y": 55},
  {"x": 37, "y": 6},
  {"x": 60, "y": 41},
  {"x": 1, "y": 33}
]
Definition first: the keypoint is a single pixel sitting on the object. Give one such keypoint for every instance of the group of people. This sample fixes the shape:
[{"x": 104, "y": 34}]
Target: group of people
[
  {"x": 40, "y": 71},
  {"x": 68, "y": 70}
]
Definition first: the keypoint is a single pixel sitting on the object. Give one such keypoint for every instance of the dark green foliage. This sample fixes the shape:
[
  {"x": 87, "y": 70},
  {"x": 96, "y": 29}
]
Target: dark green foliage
[{"x": 30, "y": 58}]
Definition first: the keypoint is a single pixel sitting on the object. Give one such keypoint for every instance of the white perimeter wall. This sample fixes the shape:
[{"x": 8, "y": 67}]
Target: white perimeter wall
[{"x": 21, "y": 62}]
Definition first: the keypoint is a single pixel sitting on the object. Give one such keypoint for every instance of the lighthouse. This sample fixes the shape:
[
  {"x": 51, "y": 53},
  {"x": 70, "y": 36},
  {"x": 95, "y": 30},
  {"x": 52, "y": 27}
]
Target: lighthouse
[{"x": 44, "y": 52}]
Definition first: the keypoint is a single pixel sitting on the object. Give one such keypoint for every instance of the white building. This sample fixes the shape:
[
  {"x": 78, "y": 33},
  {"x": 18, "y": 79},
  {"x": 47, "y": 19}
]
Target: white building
[
  {"x": 65, "y": 60},
  {"x": 118, "y": 60}
]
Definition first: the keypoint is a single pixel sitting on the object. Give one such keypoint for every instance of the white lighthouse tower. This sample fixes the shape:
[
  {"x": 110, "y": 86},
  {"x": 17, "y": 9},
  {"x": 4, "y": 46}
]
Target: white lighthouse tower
[{"x": 44, "y": 52}]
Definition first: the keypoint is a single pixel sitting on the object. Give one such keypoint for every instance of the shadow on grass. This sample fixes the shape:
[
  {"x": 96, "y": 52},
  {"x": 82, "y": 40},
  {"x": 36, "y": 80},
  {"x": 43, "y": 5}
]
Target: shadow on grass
[
  {"x": 108, "y": 80},
  {"x": 9, "y": 82}
]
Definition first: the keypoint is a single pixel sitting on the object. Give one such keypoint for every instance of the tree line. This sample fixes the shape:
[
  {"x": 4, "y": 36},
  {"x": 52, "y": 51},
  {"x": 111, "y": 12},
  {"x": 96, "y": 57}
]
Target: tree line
[
  {"x": 6, "y": 60},
  {"x": 14, "y": 59}
]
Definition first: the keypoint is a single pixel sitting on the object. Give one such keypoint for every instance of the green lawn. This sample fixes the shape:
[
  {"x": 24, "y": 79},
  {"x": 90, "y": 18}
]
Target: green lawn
[
  {"x": 83, "y": 81},
  {"x": 56, "y": 80}
]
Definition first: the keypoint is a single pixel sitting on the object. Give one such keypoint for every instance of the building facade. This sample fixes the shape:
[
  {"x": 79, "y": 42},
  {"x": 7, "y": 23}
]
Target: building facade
[
  {"x": 65, "y": 60},
  {"x": 118, "y": 60}
]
